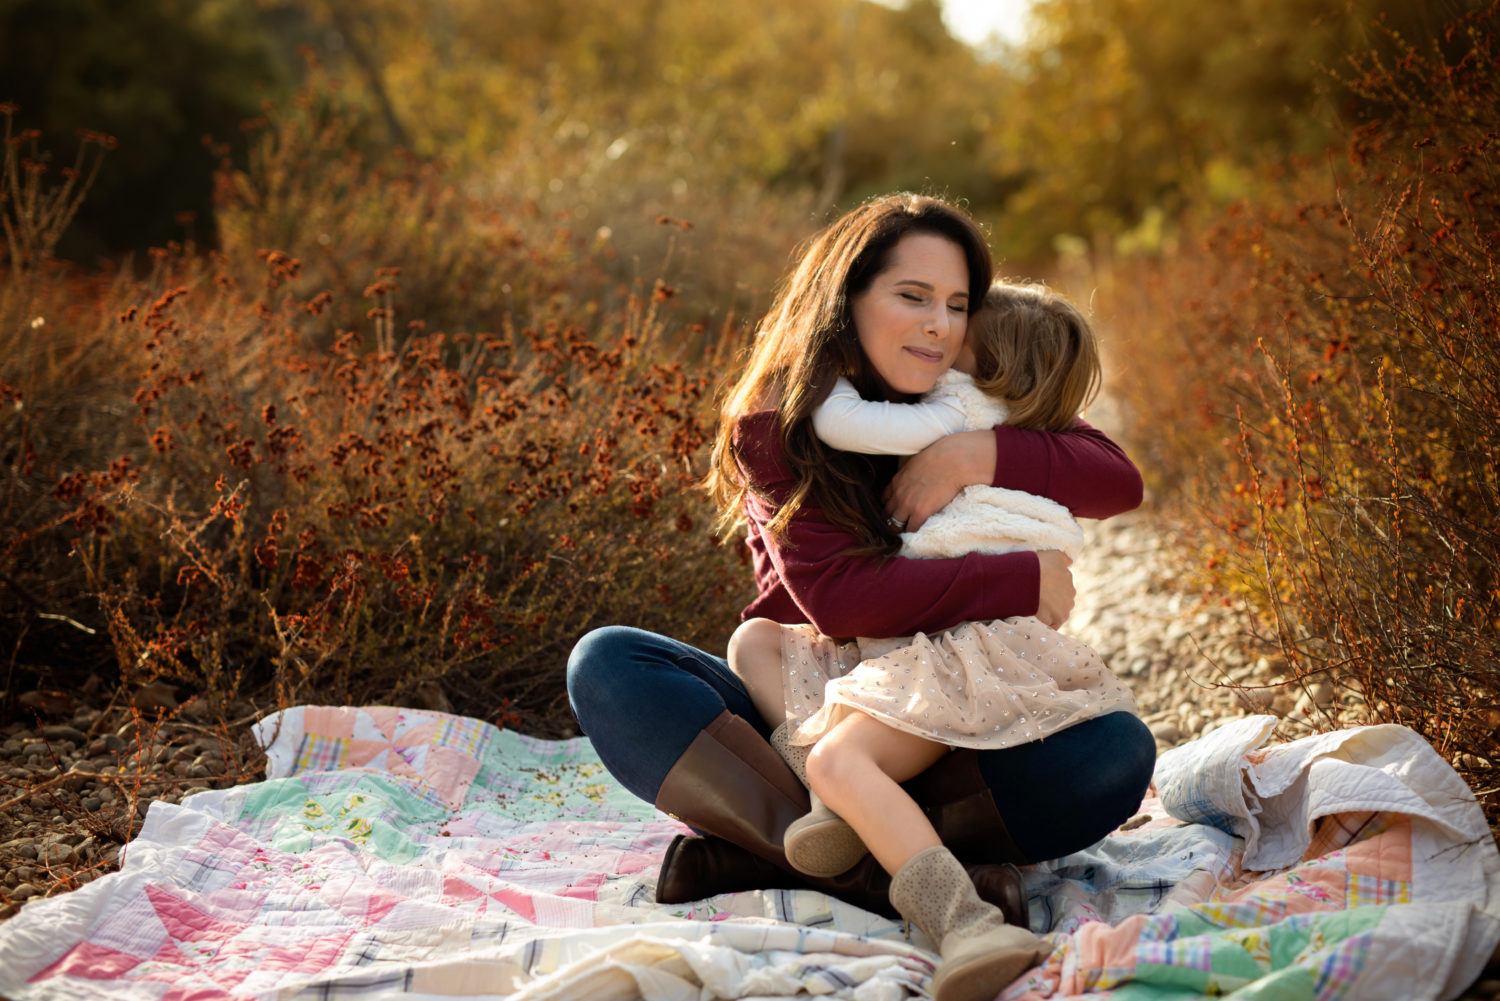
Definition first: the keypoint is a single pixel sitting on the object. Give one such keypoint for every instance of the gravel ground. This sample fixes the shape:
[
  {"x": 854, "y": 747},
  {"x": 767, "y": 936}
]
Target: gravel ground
[{"x": 75, "y": 782}]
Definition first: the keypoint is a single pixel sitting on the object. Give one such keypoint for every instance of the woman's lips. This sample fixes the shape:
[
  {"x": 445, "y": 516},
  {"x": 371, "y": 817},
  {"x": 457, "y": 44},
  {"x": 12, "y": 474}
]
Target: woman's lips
[{"x": 926, "y": 355}]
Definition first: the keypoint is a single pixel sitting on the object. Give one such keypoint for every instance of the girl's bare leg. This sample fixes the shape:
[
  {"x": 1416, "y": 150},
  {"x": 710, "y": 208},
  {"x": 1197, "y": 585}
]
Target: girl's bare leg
[
  {"x": 755, "y": 658},
  {"x": 855, "y": 769}
]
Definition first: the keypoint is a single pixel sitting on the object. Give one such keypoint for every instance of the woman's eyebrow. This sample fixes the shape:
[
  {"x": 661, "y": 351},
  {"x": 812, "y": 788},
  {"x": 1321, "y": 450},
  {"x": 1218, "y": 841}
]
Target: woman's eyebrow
[{"x": 931, "y": 288}]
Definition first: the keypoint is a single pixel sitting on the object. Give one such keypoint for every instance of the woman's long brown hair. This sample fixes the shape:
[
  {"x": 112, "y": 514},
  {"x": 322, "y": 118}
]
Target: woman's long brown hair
[{"x": 807, "y": 340}]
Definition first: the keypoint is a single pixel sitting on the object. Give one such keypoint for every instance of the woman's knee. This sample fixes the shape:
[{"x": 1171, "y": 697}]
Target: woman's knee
[
  {"x": 1125, "y": 771},
  {"x": 1067, "y": 791},
  {"x": 597, "y": 672}
]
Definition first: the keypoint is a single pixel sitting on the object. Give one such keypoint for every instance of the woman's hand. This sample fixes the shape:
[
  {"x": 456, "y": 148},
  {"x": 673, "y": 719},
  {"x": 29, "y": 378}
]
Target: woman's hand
[
  {"x": 935, "y": 475},
  {"x": 1055, "y": 601}
]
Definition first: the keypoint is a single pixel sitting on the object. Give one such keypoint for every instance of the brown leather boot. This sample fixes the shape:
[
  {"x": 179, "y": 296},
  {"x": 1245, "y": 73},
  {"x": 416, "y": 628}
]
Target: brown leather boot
[
  {"x": 732, "y": 785},
  {"x": 961, "y": 808}
]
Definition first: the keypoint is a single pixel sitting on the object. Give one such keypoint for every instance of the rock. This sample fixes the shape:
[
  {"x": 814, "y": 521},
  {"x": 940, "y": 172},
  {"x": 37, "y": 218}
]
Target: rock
[
  {"x": 24, "y": 892},
  {"x": 63, "y": 731},
  {"x": 156, "y": 695},
  {"x": 1257, "y": 699},
  {"x": 92, "y": 803},
  {"x": 198, "y": 710},
  {"x": 85, "y": 718},
  {"x": 48, "y": 703},
  {"x": 1165, "y": 731}
]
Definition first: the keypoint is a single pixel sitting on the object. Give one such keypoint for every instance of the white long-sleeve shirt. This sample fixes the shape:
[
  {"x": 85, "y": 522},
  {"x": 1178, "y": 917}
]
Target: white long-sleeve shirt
[{"x": 848, "y": 422}]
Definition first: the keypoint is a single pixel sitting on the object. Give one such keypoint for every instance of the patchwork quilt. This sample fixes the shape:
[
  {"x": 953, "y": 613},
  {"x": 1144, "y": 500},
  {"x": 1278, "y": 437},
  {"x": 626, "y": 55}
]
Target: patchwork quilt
[{"x": 410, "y": 854}]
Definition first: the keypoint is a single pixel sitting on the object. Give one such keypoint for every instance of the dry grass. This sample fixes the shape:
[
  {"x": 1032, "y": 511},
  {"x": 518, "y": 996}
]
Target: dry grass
[{"x": 1320, "y": 368}]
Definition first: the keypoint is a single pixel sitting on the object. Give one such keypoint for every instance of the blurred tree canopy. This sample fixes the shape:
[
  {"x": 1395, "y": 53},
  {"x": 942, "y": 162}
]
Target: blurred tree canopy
[
  {"x": 1106, "y": 116},
  {"x": 1121, "y": 109},
  {"x": 159, "y": 75}
]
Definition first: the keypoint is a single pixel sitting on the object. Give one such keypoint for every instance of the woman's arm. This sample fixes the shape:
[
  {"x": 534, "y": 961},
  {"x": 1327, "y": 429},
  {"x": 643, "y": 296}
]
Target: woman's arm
[
  {"x": 1081, "y": 469},
  {"x": 808, "y": 575},
  {"x": 850, "y": 423},
  {"x": 847, "y": 595}
]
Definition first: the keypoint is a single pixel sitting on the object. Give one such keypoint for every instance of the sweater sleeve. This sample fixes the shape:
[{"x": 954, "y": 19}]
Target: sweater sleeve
[
  {"x": 1081, "y": 469},
  {"x": 849, "y": 595},
  {"x": 848, "y": 422},
  {"x": 810, "y": 574}
]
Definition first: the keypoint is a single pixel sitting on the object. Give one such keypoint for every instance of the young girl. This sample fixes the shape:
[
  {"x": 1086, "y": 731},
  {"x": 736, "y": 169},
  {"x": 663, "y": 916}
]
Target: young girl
[{"x": 906, "y": 702}]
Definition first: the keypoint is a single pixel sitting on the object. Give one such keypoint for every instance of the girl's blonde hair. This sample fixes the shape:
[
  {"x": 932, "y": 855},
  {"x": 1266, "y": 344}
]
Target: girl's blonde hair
[
  {"x": 1036, "y": 351},
  {"x": 808, "y": 339}
]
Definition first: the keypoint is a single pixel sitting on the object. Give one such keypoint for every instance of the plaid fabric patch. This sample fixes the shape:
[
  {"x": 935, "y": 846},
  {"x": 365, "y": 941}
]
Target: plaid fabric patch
[
  {"x": 1364, "y": 891},
  {"x": 316, "y": 753},
  {"x": 467, "y": 735},
  {"x": 1337, "y": 968},
  {"x": 1340, "y": 830}
]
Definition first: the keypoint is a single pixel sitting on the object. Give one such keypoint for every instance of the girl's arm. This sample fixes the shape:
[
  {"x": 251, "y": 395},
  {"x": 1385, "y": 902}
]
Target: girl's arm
[
  {"x": 1081, "y": 469},
  {"x": 848, "y": 422}
]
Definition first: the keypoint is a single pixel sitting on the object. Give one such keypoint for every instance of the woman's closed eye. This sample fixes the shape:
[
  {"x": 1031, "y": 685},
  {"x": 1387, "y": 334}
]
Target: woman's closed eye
[{"x": 919, "y": 299}]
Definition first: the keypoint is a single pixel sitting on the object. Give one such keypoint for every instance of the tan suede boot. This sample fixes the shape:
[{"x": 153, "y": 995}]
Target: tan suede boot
[
  {"x": 820, "y": 843},
  {"x": 981, "y": 953}
]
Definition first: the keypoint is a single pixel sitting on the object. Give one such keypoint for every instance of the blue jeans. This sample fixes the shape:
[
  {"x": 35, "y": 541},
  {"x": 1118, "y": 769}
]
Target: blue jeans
[{"x": 643, "y": 698}]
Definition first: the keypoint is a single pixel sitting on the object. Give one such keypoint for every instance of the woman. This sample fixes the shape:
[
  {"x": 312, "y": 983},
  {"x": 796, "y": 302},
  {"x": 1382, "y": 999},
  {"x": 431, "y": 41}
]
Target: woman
[{"x": 675, "y": 726}]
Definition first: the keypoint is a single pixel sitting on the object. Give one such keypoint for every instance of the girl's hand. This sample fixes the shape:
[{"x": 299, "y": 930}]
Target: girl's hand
[
  {"x": 935, "y": 475},
  {"x": 1055, "y": 600}
]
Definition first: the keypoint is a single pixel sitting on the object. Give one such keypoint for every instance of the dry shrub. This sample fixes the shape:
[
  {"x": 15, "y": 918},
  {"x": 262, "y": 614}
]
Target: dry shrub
[
  {"x": 557, "y": 224},
  {"x": 257, "y": 471},
  {"x": 1325, "y": 373}
]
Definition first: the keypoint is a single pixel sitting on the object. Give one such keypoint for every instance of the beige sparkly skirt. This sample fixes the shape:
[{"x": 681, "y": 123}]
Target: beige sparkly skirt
[{"x": 985, "y": 685}]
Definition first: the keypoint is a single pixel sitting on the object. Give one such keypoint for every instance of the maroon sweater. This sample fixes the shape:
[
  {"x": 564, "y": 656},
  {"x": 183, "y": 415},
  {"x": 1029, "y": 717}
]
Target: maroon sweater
[{"x": 808, "y": 578}]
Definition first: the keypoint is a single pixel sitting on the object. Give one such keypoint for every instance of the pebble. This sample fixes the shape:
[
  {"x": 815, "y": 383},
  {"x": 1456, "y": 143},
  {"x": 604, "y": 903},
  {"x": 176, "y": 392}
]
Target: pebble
[
  {"x": 62, "y": 731},
  {"x": 1166, "y": 732}
]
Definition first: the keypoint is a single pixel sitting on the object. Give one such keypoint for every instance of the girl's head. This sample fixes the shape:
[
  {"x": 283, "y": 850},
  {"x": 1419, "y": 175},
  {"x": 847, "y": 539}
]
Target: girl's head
[
  {"x": 839, "y": 312},
  {"x": 1036, "y": 351}
]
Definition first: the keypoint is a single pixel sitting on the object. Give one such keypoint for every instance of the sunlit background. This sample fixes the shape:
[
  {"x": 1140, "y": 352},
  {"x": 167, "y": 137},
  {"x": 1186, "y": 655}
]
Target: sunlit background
[
  {"x": 1098, "y": 121},
  {"x": 978, "y": 21},
  {"x": 365, "y": 349}
]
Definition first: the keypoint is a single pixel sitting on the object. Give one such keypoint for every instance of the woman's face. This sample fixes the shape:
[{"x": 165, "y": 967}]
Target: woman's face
[{"x": 911, "y": 319}]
